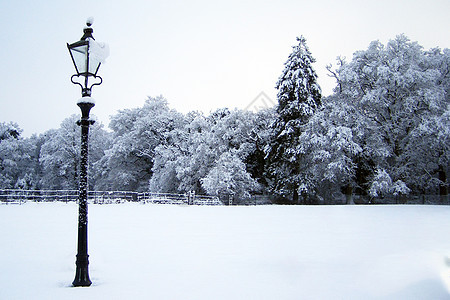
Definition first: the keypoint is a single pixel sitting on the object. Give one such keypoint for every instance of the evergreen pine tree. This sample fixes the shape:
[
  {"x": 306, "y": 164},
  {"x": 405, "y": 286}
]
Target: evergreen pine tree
[{"x": 299, "y": 96}]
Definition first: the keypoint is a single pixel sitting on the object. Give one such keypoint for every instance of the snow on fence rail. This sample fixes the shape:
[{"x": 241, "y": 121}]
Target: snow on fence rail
[
  {"x": 188, "y": 198},
  {"x": 11, "y": 196}
]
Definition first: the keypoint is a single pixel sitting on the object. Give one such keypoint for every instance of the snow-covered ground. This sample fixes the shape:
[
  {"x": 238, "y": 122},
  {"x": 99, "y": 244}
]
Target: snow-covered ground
[{"x": 192, "y": 252}]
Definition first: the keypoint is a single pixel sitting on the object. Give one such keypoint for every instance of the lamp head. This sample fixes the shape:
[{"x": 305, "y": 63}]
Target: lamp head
[{"x": 86, "y": 65}]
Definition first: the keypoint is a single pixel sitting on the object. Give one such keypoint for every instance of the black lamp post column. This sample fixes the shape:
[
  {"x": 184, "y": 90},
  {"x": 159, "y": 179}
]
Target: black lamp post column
[
  {"x": 82, "y": 262},
  {"x": 87, "y": 56}
]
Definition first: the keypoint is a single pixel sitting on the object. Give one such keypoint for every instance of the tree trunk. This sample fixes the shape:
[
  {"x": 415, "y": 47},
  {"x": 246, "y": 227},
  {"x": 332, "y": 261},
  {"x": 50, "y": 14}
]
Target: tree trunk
[
  {"x": 348, "y": 192},
  {"x": 295, "y": 197},
  {"x": 443, "y": 190}
]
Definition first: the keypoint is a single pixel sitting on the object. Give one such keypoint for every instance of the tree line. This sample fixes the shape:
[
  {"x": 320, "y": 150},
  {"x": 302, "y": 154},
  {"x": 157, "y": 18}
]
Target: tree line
[{"x": 383, "y": 132}]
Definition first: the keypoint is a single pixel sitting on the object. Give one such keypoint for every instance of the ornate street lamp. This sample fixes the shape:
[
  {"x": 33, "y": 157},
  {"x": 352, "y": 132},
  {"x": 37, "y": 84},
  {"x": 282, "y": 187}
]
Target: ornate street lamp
[{"x": 87, "y": 56}]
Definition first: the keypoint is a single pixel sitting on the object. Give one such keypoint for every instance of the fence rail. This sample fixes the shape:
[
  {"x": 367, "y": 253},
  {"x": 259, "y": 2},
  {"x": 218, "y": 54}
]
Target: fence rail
[
  {"x": 188, "y": 198},
  {"x": 15, "y": 196},
  {"x": 11, "y": 196}
]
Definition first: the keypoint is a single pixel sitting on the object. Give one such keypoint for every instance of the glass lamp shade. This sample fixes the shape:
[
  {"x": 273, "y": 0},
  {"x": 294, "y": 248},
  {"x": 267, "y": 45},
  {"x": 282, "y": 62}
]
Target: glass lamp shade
[{"x": 85, "y": 65}]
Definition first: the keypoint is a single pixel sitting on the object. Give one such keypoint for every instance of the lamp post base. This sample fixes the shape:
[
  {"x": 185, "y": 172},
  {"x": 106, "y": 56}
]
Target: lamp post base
[{"x": 82, "y": 273}]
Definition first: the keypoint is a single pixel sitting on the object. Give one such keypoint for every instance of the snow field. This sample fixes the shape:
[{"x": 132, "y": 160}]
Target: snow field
[{"x": 198, "y": 252}]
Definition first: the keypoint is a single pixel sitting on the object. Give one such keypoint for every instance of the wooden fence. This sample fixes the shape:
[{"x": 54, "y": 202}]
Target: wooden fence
[{"x": 12, "y": 196}]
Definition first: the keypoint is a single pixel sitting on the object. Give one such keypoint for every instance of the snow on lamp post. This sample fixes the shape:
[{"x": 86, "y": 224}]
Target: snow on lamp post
[{"x": 87, "y": 56}]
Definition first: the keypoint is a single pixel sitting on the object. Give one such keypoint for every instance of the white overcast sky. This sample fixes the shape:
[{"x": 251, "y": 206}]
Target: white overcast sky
[{"x": 200, "y": 55}]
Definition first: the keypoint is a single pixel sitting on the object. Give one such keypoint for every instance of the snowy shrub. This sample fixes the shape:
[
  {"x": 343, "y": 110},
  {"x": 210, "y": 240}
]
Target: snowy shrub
[
  {"x": 229, "y": 176},
  {"x": 383, "y": 185},
  {"x": 400, "y": 188}
]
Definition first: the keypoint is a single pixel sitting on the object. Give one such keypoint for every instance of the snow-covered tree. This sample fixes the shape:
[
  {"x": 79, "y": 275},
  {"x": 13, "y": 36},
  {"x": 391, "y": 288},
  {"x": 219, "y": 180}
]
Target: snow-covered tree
[
  {"x": 169, "y": 155},
  {"x": 299, "y": 96},
  {"x": 182, "y": 165},
  {"x": 16, "y": 158},
  {"x": 330, "y": 146},
  {"x": 60, "y": 154},
  {"x": 258, "y": 140},
  {"x": 382, "y": 184},
  {"x": 428, "y": 155},
  {"x": 164, "y": 178},
  {"x": 136, "y": 134},
  {"x": 429, "y": 147},
  {"x": 9, "y": 130},
  {"x": 394, "y": 89},
  {"x": 196, "y": 155},
  {"x": 229, "y": 176},
  {"x": 185, "y": 160}
]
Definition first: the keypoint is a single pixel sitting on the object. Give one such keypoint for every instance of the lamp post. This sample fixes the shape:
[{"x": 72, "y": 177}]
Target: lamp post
[{"x": 87, "y": 63}]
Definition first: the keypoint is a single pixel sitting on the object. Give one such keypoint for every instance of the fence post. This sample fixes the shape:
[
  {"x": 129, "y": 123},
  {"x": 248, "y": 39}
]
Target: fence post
[{"x": 230, "y": 199}]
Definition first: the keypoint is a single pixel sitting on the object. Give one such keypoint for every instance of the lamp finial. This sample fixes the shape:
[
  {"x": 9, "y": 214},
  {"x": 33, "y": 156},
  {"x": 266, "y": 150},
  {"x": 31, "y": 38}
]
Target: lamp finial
[{"x": 90, "y": 21}]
